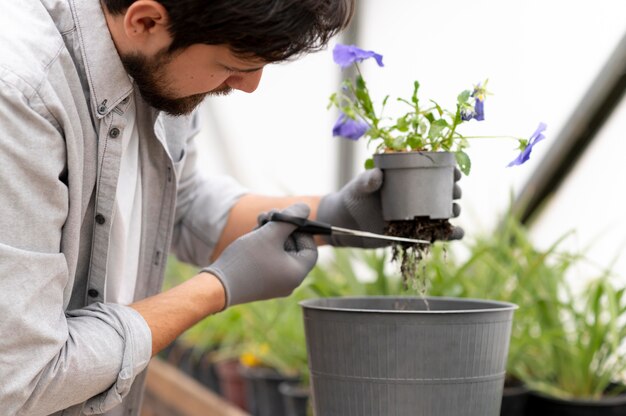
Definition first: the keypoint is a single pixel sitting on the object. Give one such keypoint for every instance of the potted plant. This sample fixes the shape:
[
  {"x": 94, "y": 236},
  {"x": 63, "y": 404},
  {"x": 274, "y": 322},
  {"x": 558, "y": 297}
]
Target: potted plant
[
  {"x": 217, "y": 343},
  {"x": 274, "y": 354},
  {"x": 418, "y": 150},
  {"x": 575, "y": 364}
]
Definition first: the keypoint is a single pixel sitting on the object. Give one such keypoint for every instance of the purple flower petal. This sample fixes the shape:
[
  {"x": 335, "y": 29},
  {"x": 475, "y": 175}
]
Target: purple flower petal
[
  {"x": 479, "y": 110},
  {"x": 524, "y": 155},
  {"x": 346, "y": 55},
  {"x": 478, "y": 113},
  {"x": 349, "y": 128}
]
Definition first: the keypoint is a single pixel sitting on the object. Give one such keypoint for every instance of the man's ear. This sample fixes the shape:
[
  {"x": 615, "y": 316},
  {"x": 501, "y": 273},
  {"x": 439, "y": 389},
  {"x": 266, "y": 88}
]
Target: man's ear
[{"x": 145, "y": 25}]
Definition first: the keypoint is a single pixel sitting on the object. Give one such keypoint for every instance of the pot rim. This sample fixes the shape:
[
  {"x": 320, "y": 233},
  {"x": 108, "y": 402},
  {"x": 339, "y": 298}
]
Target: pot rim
[
  {"x": 496, "y": 306},
  {"x": 294, "y": 390},
  {"x": 267, "y": 373}
]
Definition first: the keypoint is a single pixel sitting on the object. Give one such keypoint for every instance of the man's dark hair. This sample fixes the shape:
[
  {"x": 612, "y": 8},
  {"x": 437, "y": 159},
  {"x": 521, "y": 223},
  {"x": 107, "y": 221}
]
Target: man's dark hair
[{"x": 272, "y": 30}]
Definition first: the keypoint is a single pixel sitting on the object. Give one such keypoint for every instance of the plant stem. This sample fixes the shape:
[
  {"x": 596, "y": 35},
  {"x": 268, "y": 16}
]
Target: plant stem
[{"x": 492, "y": 137}]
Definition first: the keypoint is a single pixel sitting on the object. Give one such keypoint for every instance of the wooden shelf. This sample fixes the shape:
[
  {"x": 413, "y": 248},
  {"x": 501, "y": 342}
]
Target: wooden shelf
[{"x": 170, "y": 392}]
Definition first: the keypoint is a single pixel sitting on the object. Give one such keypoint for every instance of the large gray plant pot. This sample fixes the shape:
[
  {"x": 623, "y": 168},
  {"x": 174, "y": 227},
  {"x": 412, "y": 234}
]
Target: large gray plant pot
[
  {"x": 416, "y": 184},
  {"x": 373, "y": 356}
]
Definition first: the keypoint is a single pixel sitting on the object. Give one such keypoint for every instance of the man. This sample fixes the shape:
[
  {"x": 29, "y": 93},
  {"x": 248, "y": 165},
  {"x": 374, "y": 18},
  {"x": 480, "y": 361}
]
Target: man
[{"x": 98, "y": 182}]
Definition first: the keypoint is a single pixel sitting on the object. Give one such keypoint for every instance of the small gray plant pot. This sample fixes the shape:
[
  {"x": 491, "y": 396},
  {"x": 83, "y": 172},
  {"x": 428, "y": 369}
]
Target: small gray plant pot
[
  {"x": 371, "y": 356},
  {"x": 416, "y": 184}
]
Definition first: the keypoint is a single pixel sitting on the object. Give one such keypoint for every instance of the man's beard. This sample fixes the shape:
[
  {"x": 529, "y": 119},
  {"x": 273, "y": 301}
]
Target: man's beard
[{"x": 149, "y": 77}]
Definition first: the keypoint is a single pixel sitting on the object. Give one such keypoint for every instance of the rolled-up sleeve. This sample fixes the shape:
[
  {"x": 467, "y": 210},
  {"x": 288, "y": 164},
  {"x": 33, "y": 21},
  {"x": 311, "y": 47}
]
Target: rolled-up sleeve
[
  {"x": 51, "y": 359},
  {"x": 127, "y": 336}
]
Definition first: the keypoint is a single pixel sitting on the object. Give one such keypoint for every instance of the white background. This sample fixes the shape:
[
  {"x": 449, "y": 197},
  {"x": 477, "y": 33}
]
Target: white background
[{"x": 540, "y": 57}]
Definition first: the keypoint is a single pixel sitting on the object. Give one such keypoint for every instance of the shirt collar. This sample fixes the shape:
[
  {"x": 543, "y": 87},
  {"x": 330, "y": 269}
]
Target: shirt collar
[{"x": 108, "y": 81}]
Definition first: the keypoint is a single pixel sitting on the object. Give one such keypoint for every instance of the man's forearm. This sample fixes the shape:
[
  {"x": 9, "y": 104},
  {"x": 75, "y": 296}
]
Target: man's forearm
[
  {"x": 172, "y": 312},
  {"x": 243, "y": 216}
]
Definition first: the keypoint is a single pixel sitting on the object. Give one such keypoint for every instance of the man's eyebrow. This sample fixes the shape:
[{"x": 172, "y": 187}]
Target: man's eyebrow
[{"x": 247, "y": 70}]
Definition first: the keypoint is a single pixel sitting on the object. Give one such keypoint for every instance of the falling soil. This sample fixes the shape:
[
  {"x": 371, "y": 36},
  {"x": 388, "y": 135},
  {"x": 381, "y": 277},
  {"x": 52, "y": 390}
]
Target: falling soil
[{"x": 410, "y": 255}]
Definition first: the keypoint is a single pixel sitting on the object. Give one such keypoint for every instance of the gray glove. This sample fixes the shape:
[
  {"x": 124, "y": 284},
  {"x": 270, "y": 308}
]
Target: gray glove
[
  {"x": 357, "y": 206},
  {"x": 269, "y": 262}
]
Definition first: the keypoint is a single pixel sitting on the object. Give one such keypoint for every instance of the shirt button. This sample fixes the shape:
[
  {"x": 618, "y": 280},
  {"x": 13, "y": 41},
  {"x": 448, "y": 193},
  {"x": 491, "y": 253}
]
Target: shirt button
[
  {"x": 93, "y": 293},
  {"x": 100, "y": 219},
  {"x": 102, "y": 108},
  {"x": 114, "y": 133}
]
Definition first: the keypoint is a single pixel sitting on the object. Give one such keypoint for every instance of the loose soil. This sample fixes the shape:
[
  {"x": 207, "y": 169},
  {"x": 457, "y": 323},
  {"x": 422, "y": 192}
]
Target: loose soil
[{"x": 410, "y": 255}]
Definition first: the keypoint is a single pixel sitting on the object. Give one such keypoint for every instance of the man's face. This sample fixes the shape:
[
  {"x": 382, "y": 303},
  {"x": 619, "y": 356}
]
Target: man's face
[{"x": 178, "y": 82}]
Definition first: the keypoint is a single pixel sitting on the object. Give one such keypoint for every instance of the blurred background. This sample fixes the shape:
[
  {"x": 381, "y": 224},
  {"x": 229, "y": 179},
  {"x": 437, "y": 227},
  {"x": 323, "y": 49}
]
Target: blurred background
[{"x": 542, "y": 59}]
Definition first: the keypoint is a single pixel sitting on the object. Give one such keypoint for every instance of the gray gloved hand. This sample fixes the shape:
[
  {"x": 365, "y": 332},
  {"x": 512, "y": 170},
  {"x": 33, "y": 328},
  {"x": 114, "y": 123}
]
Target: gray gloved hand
[
  {"x": 358, "y": 206},
  {"x": 269, "y": 262}
]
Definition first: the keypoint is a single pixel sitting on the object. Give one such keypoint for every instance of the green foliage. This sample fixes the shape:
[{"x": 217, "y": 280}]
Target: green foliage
[
  {"x": 574, "y": 351},
  {"x": 562, "y": 344},
  {"x": 275, "y": 335},
  {"x": 340, "y": 277}
]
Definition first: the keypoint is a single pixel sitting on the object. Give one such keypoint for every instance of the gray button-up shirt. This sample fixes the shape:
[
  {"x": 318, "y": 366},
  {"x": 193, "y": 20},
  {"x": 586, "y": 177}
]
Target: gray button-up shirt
[{"x": 63, "y": 102}]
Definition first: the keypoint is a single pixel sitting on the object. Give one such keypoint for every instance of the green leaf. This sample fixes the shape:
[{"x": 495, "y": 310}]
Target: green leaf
[
  {"x": 369, "y": 163},
  {"x": 402, "y": 124},
  {"x": 416, "y": 86},
  {"x": 463, "y": 160},
  {"x": 362, "y": 94},
  {"x": 414, "y": 141},
  {"x": 463, "y": 97},
  {"x": 399, "y": 143},
  {"x": 332, "y": 101},
  {"x": 436, "y": 128},
  {"x": 438, "y": 107}
]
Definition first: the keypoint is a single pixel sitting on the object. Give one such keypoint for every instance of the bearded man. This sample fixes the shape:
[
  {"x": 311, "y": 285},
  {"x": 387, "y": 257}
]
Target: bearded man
[{"x": 98, "y": 183}]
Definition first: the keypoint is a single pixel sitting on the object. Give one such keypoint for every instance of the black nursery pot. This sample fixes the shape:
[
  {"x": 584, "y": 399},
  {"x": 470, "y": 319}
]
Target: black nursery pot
[
  {"x": 541, "y": 405},
  {"x": 206, "y": 372},
  {"x": 514, "y": 400},
  {"x": 295, "y": 398},
  {"x": 262, "y": 394}
]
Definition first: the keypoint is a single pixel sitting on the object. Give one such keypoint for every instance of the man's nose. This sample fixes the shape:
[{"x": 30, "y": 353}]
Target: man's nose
[{"x": 246, "y": 82}]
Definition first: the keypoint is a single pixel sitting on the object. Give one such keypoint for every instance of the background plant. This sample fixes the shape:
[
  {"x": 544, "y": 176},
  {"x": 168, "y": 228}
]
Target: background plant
[{"x": 563, "y": 344}]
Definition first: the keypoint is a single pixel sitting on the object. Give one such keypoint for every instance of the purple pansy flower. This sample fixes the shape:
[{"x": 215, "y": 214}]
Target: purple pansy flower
[
  {"x": 346, "y": 55},
  {"x": 479, "y": 105},
  {"x": 349, "y": 128},
  {"x": 536, "y": 137}
]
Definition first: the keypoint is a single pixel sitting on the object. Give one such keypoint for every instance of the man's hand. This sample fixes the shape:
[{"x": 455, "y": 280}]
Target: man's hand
[
  {"x": 269, "y": 262},
  {"x": 358, "y": 206}
]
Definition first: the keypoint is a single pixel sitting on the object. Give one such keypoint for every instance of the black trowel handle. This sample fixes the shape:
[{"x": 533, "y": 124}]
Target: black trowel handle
[{"x": 304, "y": 225}]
